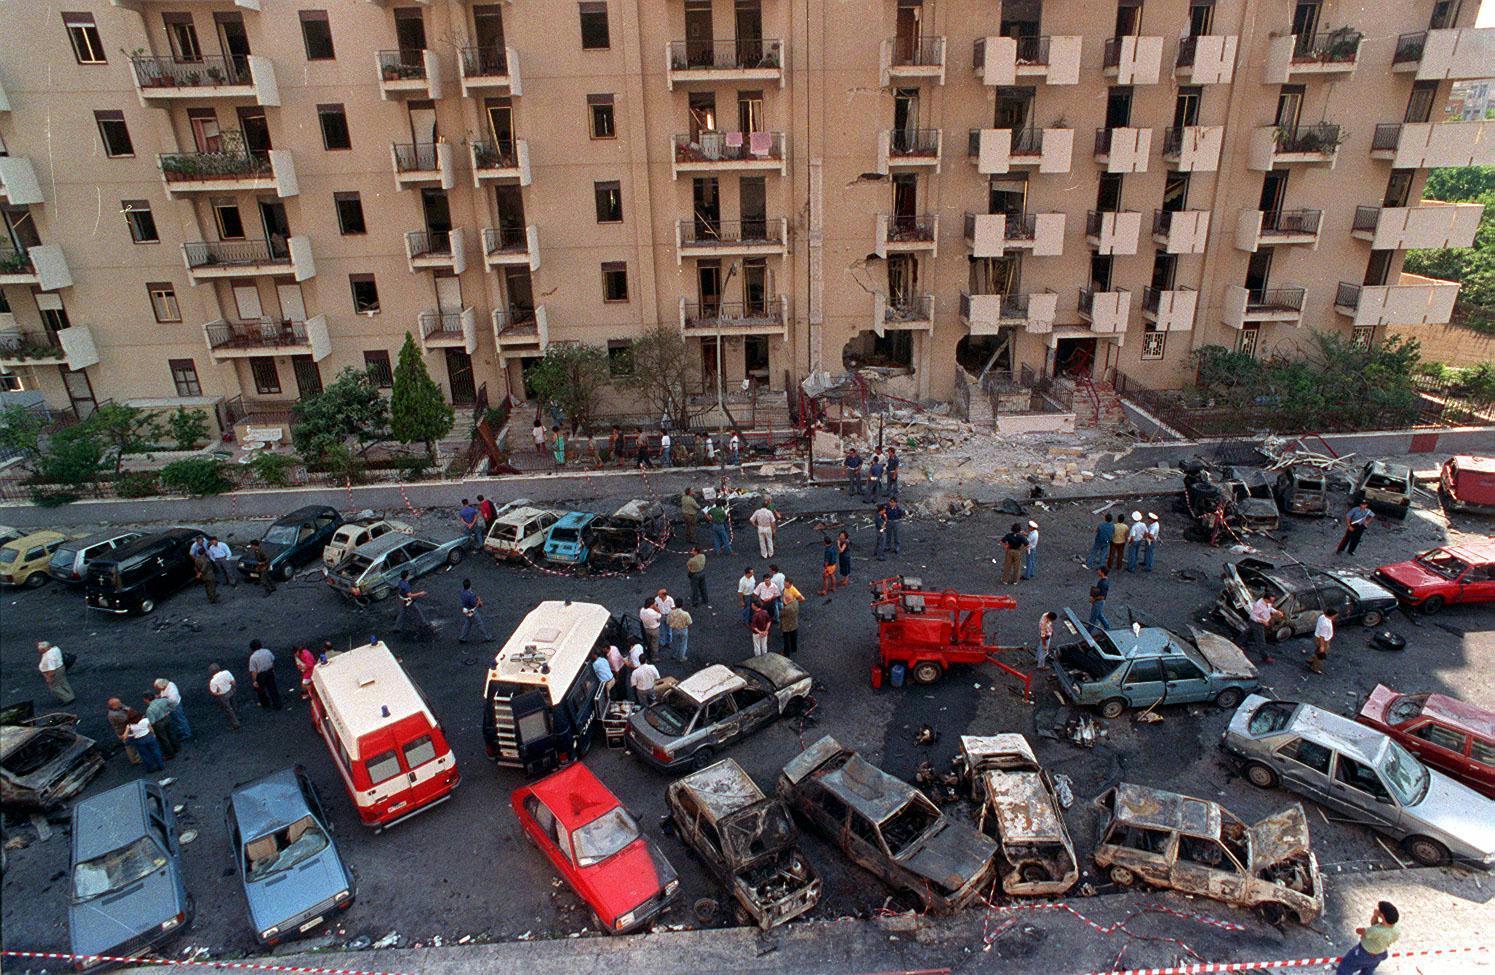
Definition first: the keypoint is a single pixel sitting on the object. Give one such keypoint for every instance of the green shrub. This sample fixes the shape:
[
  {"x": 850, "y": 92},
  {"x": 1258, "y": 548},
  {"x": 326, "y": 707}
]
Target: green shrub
[
  {"x": 415, "y": 468},
  {"x": 343, "y": 465},
  {"x": 273, "y": 470},
  {"x": 196, "y": 476},
  {"x": 137, "y": 484},
  {"x": 188, "y": 427},
  {"x": 50, "y": 496}
]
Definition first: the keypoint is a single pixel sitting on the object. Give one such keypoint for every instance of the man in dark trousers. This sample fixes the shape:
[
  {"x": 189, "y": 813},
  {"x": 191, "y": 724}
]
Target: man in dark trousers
[
  {"x": 472, "y": 605},
  {"x": 853, "y": 464},
  {"x": 409, "y": 610},
  {"x": 261, "y": 566},
  {"x": 202, "y": 567},
  {"x": 695, "y": 570},
  {"x": 1015, "y": 545},
  {"x": 262, "y": 675},
  {"x": 1355, "y": 521}
]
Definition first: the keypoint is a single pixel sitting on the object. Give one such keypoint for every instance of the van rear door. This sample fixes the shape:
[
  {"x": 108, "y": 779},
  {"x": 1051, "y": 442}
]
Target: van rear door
[{"x": 532, "y": 731}]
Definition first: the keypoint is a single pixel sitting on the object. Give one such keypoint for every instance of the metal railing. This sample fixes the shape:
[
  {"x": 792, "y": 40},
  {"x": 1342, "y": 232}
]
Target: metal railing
[
  {"x": 1290, "y": 222},
  {"x": 914, "y": 142},
  {"x": 710, "y": 233},
  {"x": 515, "y": 324},
  {"x": 918, "y": 52},
  {"x": 496, "y": 154},
  {"x": 1386, "y": 138},
  {"x": 730, "y": 147},
  {"x": 1331, "y": 47},
  {"x": 402, "y": 65},
  {"x": 1152, "y": 297},
  {"x": 1187, "y": 46},
  {"x": 768, "y": 311},
  {"x": 416, "y": 157},
  {"x": 1025, "y": 142},
  {"x": 505, "y": 240},
  {"x": 1409, "y": 47},
  {"x": 209, "y": 253},
  {"x": 484, "y": 62},
  {"x": 1173, "y": 139},
  {"x": 1322, "y": 137},
  {"x": 1103, "y": 141},
  {"x": 29, "y": 345},
  {"x": 13, "y": 259},
  {"x": 1015, "y": 226},
  {"x": 178, "y": 167},
  {"x": 440, "y": 324},
  {"x": 1113, "y": 52},
  {"x": 726, "y": 54},
  {"x": 253, "y": 335},
  {"x": 212, "y": 71},
  {"x": 429, "y": 243},
  {"x": 1366, "y": 219},
  {"x": 1030, "y": 51},
  {"x": 1162, "y": 221},
  {"x": 1087, "y": 301},
  {"x": 912, "y": 227},
  {"x": 909, "y": 308},
  {"x": 1274, "y": 299},
  {"x": 1347, "y": 296}
]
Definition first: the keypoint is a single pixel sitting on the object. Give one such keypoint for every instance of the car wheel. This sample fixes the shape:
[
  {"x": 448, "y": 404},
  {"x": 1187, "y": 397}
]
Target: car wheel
[
  {"x": 146, "y": 605},
  {"x": 1277, "y": 915},
  {"x": 1261, "y": 776},
  {"x": 1034, "y": 873},
  {"x": 584, "y": 743},
  {"x": 702, "y": 759},
  {"x": 454, "y": 556},
  {"x": 1431, "y": 605},
  {"x": 1373, "y": 618},
  {"x": 285, "y": 572},
  {"x": 926, "y": 672},
  {"x": 1229, "y": 699},
  {"x": 1114, "y": 708},
  {"x": 1122, "y": 877},
  {"x": 1428, "y": 852},
  {"x": 1282, "y": 634},
  {"x": 36, "y": 580}
]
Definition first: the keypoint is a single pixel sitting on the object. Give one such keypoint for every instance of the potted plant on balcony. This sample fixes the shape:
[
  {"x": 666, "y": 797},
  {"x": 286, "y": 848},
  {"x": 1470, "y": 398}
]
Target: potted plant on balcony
[
  {"x": 391, "y": 72},
  {"x": 215, "y": 74},
  {"x": 1340, "y": 45}
]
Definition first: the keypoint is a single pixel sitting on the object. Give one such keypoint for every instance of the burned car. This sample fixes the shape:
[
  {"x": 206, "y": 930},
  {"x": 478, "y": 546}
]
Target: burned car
[
  {"x": 888, "y": 827},
  {"x": 1302, "y": 593},
  {"x": 1022, "y": 812},
  {"x": 747, "y": 842},
  {"x": 629, "y": 538},
  {"x": 1302, "y": 489},
  {"x": 1198, "y": 847},
  {"x": 1387, "y": 486},
  {"x": 1252, "y": 493},
  {"x": 44, "y": 762}
]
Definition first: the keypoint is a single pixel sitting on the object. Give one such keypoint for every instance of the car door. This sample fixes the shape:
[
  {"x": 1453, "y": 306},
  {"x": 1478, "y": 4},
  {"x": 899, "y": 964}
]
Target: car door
[
  {"x": 864, "y": 845},
  {"x": 1358, "y": 792},
  {"x": 423, "y": 556},
  {"x": 755, "y": 708},
  {"x": 723, "y": 723},
  {"x": 1142, "y": 684},
  {"x": 1204, "y": 866},
  {"x": 1145, "y": 852},
  {"x": 549, "y": 836},
  {"x": 1304, "y": 767},
  {"x": 1476, "y": 585},
  {"x": 1185, "y": 681},
  {"x": 1305, "y": 610},
  {"x": 1438, "y": 745}
]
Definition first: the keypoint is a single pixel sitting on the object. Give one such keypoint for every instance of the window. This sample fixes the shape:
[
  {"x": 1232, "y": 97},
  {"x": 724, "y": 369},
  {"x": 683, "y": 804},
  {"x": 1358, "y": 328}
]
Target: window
[
  {"x": 1139, "y": 838},
  {"x": 115, "y": 133},
  {"x": 184, "y": 375},
  {"x": 316, "y": 35},
  {"x": 334, "y": 127},
  {"x": 1361, "y": 777},
  {"x": 614, "y": 281},
  {"x": 419, "y": 751},
  {"x": 84, "y": 33},
  {"x": 182, "y": 36},
  {"x": 594, "y": 27},
  {"x": 142, "y": 223},
  {"x": 383, "y": 766},
  {"x": 1441, "y": 737},
  {"x": 266, "y": 379},
  {"x": 609, "y": 201},
  {"x": 1144, "y": 672},
  {"x": 376, "y": 363},
  {"x": 863, "y": 830},
  {"x": 1181, "y": 668},
  {"x": 1308, "y": 753},
  {"x": 619, "y": 357},
  {"x": 1483, "y": 752},
  {"x": 365, "y": 293},
  {"x": 230, "y": 222},
  {"x": 1154, "y": 344},
  {"x": 600, "y": 110},
  {"x": 163, "y": 302},
  {"x": 349, "y": 213}
]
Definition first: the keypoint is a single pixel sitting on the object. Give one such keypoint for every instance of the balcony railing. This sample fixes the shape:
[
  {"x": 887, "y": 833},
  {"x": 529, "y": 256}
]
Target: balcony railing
[
  {"x": 403, "y": 65},
  {"x": 505, "y": 240},
  {"x": 1173, "y": 139},
  {"x": 918, "y": 52},
  {"x": 1162, "y": 221},
  {"x": 1032, "y": 50},
  {"x": 254, "y": 335},
  {"x": 1409, "y": 47},
  {"x": 1025, "y": 142},
  {"x": 17, "y": 346},
  {"x": 1113, "y": 52},
  {"x": 1332, "y": 47},
  {"x": 1347, "y": 296},
  {"x": 416, "y": 157},
  {"x": 712, "y": 233},
  {"x": 1087, "y": 301},
  {"x": 1366, "y": 219},
  {"x": 496, "y": 154},
  {"x": 1386, "y": 137},
  {"x": 441, "y": 324},
  {"x": 730, "y": 147},
  {"x": 1290, "y": 222},
  {"x": 429, "y": 243},
  {"x": 914, "y": 142},
  {"x": 1152, "y": 298},
  {"x": 181, "y": 167},
  {"x": 484, "y": 62},
  {"x": 729, "y": 54},
  {"x": 13, "y": 260},
  {"x": 909, "y": 308},
  {"x": 1015, "y": 226},
  {"x": 766, "y": 311},
  {"x": 1187, "y": 46},
  {"x": 209, "y": 71},
  {"x": 911, "y": 228},
  {"x": 1323, "y": 137},
  {"x": 1260, "y": 300},
  {"x": 209, "y": 253},
  {"x": 1103, "y": 141}
]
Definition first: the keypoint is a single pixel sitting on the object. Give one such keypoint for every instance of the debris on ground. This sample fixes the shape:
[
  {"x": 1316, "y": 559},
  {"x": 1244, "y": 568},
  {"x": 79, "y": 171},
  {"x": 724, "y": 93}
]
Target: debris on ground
[
  {"x": 390, "y": 940},
  {"x": 1083, "y": 731},
  {"x": 1064, "y": 789}
]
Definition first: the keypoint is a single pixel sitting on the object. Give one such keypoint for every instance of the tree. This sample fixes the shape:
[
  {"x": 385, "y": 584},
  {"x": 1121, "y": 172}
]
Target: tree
[
  {"x": 417, "y": 411},
  {"x": 188, "y": 427},
  {"x": 1458, "y": 184},
  {"x": 1473, "y": 267},
  {"x": 21, "y": 433},
  {"x": 664, "y": 373},
  {"x": 123, "y": 430},
  {"x": 571, "y": 376},
  {"x": 349, "y": 406},
  {"x": 73, "y": 456}
]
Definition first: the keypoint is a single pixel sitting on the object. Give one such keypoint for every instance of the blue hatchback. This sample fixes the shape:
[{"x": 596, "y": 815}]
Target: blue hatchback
[{"x": 570, "y": 539}]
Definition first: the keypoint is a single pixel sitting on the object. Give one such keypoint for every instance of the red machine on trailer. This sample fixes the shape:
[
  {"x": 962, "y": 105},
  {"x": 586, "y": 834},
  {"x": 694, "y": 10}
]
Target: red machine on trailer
[{"x": 926, "y": 631}]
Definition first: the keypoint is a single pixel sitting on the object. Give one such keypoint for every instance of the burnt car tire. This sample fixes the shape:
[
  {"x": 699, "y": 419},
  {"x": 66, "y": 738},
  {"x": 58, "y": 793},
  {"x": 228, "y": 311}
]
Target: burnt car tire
[
  {"x": 926, "y": 672},
  {"x": 1278, "y": 916},
  {"x": 1122, "y": 877},
  {"x": 1112, "y": 708},
  {"x": 1282, "y": 634},
  {"x": 702, "y": 759},
  {"x": 1431, "y": 605},
  {"x": 1229, "y": 699},
  {"x": 1261, "y": 776},
  {"x": 454, "y": 556},
  {"x": 1426, "y": 851},
  {"x": 1035, "y": 873},
  {"x": 1373, "y": 618}
]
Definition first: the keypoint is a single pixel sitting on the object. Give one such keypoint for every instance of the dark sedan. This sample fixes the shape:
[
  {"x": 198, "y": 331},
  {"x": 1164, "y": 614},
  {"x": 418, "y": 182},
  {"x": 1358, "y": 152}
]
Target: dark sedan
[
  {"x": 1303, "y": 594},
  {"x": 293, "y": 540}
]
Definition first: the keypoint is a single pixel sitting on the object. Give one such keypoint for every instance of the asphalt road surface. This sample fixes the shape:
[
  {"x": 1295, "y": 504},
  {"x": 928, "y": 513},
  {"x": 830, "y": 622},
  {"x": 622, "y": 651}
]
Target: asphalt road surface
[{"x": 463, "y": 869}]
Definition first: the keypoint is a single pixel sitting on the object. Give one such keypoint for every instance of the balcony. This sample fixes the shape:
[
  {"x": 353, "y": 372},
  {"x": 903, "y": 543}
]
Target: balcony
[
  {"x": 228, "y": 172},
  {"x": 985, "y": 314},
  {"x": 448, "y": 330},
  {"x": 1413, "y": 300},
  {"x": 728, "y": 59},
  {"x": 1207, "y": 59},
  {"x": 1419, "y": 145},
  {"x": 1293, "y": 56},
  {"x": 242, "y": 340},
  {"x": 1181, "y": 231},
  {"x": 1458, "y": 53},
  {"x": 1255, "y": 229},
  {"x": 512, "y": 246},
  {"x": 1194, "y": 148},
  {"x": 1003, "y": 150},
  {"x": 1107, "y": 311},
  {"x": 908, "y": 149},
  {"x": 761, "y": 237},
  {"x": 903, "y": 234},
  {"x": 423, "y": 164},
  {"x": 162, "y": 80},
  {"x": 994, "y": 234},
  {"x": 500, "y": 162},
  {"x": 1274, "y": 145},
  {"x": 209, "y": 260},
  {"x": 489, "y": 71},
  {"x": 1113, "y": 233},
  {"x": 407, "y": 73},
  {"x": 1123, "y": 150},
  {"x": 444, "y": 250},
  {"x": 718, "y": 152},
  {"x": 42, "y": 265},
  {"x": 18, "y": 183},
  {"x": 1430, "y": 224},
  {"x": 1003, "y": 60},
  {"x": 905, "y": 313},
  {"x": 1170, "y": 310},
  {"x": 1243, "y": 306},
  {"x": 767, "y": 316},
  {"x": 912, "y": 59},
  {"x": 71, "y": 347},
  {"x": 1133, "y": 60},
  {"x": 520, "y": 331}
]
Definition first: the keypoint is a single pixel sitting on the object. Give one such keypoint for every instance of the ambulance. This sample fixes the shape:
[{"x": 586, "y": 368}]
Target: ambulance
[{"x": 388, "y": 748}]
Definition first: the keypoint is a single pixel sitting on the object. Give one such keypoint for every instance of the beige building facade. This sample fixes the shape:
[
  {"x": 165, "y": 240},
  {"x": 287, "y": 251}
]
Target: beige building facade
[{"x": 233, "y": 200}]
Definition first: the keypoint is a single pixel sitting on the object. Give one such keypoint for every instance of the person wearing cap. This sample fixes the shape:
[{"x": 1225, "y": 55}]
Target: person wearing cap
[
  {"x": 1135, "y": 536},
  {"x": 1030, "y": 566},
  {"x": 1150, "y": 549}
]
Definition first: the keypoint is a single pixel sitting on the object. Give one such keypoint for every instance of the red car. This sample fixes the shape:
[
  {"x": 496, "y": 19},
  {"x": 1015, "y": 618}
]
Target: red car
[
  {"x": 1461, "y": 573},
  {"x": 1452, "y": 736},
  {"x": 596, "y": 845}
]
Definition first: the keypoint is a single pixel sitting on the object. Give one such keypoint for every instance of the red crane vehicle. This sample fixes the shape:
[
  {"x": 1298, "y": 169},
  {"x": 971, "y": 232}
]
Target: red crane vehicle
[{"x": 923, "y": 632}]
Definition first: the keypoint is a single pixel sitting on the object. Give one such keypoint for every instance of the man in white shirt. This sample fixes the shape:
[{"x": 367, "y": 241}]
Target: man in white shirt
[
  {"x": 262, "y": 676},
  {"x": 767, "y": 595},
  {"x": 1323, "y": 635},
  {"x": 645, "y": 676},
  {"x": 663, "y": 604},
  {"x": 1030, "y": 564},
  {"x": 1150, "y": 549},
  {"x": 649, "y": 616},
  {"x": 221, "y": 685},
  {"x": 734, "y": 450},
  {"x": 54, "y": 671},
  {"x": 665, "y": 443},
  {"x": 745, "y": 594},
  {"x": 222, "y": 558},
  {"x": 1263, "y": 614},
  {"x": 168, "y": 690},
  {"x": 766, "y": 522},
  {"x": 1135, "y": 536}
]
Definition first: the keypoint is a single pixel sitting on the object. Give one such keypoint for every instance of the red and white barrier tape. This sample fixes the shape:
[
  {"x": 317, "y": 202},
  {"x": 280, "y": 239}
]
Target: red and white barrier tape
[
  {"x": 1118, "y": 925},
  {"x": 1209, "y": 967},
  {"x": 242, "y": 965},
  {"x": 408, "y": 506}
]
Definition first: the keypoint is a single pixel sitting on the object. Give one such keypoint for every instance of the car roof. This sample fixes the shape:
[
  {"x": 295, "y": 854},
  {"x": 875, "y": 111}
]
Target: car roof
[
  {"x": 268, "y": 803},
  {"x": 1159, "y": 809},
  {"x": 1389, "y": 469},
  {"x": 710, "y": 682},
  {"x": 550, "y": 645},
  {"x": 1461, "y": 714},
  {"x": 721, "y": 789},
  {"x": 147, "y": 542},
  {"x": 575, "y": 519},
  {"x": 307, "y": 512},
  {"x": 519, "y": 516},
  {"x": 365, "y": 689},
  {"x": 39, "y": 538},
  {"x": 376, "y": 547},
  {"x": 574, "y": 795},
  {"x": 107, "y": 821},
  {"x": 775, "y": 668},
  {"x": 1328, "y": 728},
  {"x": 1153, "y": 641},
  {"x": 1022, "y": 806},
  {"x": 98, "y": 538},
  {"x": 1476, "y": 550},
  {"x": 1472, "y": 462},
  {"x": 867, "y": 788},
  {"x": 638, "y": 510},
  {"x": 1007, "y": 743}
]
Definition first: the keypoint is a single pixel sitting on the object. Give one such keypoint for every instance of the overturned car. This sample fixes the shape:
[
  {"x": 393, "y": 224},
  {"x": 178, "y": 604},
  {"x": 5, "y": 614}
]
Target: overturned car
[
  {"x": 44, "y": 762},
  {"x": 1021, "y": 811},
  {"x": 1197, "y": 847},
  {"x": 747, "y": 842}
]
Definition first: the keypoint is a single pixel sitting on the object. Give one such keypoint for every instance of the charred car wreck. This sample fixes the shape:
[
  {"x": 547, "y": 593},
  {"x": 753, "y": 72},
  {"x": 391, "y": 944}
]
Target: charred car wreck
[
  {"x": 1021, "y": 811},
  {"x": 44, "y": 762},
  {"x": 630, "y": 538}
]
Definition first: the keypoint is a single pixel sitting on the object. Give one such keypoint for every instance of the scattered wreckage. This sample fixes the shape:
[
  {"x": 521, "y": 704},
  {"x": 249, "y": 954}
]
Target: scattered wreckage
[
  {"x": 1223, "y": 501},
  {"x": 1022, "y": 812},
  {"x": 1302, "y": 593},
  {"x": 44, "y": 762}
]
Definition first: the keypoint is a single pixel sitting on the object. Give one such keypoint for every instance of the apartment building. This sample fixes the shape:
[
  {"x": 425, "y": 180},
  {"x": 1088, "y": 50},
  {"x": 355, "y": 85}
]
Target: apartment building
[{"x": 215, "y": 201}]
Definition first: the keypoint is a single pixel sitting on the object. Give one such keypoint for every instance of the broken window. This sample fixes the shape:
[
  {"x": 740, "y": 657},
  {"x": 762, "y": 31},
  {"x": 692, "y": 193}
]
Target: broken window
[
  {"x": 892, "y": 350},
  {"x": 907, "y": 825},
  {"x": 1204, "y": 853},
  {"x": 1154, "y": 841},
  {"x": 1361, "y": 777},
  {"x": 1309, "y": 753},
  {"x": 864, "y": 831}
]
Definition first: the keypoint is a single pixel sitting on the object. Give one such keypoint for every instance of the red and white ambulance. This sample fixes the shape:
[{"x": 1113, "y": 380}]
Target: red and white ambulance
[{"x": 391, "y": 753}]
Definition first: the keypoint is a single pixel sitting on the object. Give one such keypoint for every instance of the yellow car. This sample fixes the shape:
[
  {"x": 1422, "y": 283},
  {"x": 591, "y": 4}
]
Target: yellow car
[{"x": 23, "y": 562}]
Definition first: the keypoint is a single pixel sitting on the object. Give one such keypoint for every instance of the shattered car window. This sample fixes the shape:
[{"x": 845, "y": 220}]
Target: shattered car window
[
  {"x": 1442, "y": 562},
  {"x": 563, "y": 535},
  {"x": 36, "y": 753},
  {"x": 1404, "y": 775},
  {"x": 283, "y": 849},
  {"x": 604, "y": 836},
  {"x": 904, "y": 827},
  {"x": 1404, "y": 709},
  {"x": 1271, "y": 717},
  {"x": 116, "y": 869},
  {"x": 672, "y": 716},
  {"x": 281, "y": 535}
]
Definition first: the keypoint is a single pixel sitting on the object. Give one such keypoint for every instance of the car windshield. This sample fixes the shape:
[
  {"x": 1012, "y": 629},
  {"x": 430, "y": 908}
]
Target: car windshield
[
  {"x": 1404, "y": 708},
  {"x": 563, "y": 535},
  {"x": 1384, "y": 482},
  {"x": 1405, "y": 776},
  {"x": 507, "y": 533},
  {"x": 902, "y": 829},
  {"x": 116, "y": 869},
  {"x": 281, "y": 850},
  {"x": 9, "y": 554},
  {"x": 281, "y": 534},
  {"x": 1442, "y": 562},
  {"x": 672, "y": 716},
  {"x": 604, "y": 836}
]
